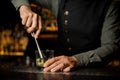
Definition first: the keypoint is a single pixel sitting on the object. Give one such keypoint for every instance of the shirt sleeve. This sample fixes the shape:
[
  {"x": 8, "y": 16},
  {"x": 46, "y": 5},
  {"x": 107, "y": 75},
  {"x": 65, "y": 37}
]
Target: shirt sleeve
[
  {"x": 43, "y": 3},
  {"x": 18, "y": 3},
  {"x": 109, "y": 40}
]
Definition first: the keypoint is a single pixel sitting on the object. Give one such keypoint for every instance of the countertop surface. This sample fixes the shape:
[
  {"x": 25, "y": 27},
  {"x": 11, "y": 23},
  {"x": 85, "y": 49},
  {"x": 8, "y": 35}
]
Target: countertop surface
[
  {"x": 18, "y": 71},
  {"x": 33, "y": 73}
]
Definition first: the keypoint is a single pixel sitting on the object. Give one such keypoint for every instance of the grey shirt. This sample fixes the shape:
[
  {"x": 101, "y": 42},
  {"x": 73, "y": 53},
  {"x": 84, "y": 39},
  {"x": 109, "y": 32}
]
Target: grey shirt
[{"x": 109, "y": 38}]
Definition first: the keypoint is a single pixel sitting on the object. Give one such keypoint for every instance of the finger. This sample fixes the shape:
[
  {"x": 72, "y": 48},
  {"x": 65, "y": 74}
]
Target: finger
[
  {"x": 51, "y": 66},
  {"x": 24, "y": 20},
  {"x": 30, "y": 29},
  {"x": 33, "y": 25},
  {"x": 34, "y": 21},
  {"x": 51, "y": 61},
  {"x": 57, "y": 68},
  {"x": 29, "y": 21},
  {"x": 39, "y": 27},
  {"x": 67, "y": 69}
]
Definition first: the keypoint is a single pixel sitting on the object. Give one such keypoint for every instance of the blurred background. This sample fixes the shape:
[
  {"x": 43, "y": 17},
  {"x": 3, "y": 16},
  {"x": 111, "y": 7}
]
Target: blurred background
[{"x": 13, "y": 38}]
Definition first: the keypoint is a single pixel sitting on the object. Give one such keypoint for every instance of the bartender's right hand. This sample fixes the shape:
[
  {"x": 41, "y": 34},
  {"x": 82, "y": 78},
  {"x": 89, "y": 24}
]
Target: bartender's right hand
[{"x": 31, "y": 20}]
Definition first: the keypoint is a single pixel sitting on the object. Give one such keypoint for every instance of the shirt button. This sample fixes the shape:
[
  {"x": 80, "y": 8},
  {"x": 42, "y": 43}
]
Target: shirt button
[
  {"x": 66, "y": 31},
  {"x": 66, "y": 22},
  {"x": 68, "y": 40},
  {"x": 69, "y": 48},
  {"x": 66, "y": 13}
]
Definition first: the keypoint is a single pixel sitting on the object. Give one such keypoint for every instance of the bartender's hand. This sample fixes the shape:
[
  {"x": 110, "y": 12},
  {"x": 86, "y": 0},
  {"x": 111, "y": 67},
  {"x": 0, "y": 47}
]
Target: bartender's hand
[
  {"x": 60, "y": 63},
  {"x": 30, "y": 20}
]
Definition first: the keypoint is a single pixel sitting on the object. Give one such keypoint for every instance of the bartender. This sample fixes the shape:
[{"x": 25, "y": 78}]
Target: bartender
[{"x": 88, "y": 32}]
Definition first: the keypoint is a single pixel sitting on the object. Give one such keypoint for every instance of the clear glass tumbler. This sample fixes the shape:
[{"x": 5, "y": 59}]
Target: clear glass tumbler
[{"x": 47, "y": 54}]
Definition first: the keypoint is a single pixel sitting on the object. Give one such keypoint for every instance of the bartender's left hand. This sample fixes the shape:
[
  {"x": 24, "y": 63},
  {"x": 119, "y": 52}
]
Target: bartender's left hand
[{"x": 60, "y": 63}]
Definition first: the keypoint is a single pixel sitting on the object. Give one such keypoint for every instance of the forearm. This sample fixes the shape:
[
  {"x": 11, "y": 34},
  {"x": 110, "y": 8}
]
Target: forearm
[{"x": 95, "y": 56}]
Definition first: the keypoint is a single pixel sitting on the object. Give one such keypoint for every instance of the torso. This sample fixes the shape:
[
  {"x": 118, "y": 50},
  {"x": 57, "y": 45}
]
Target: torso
[{"x": 80, "y": 26}]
